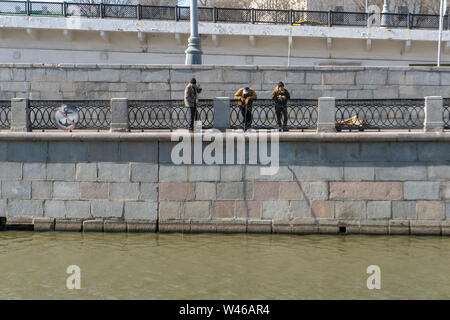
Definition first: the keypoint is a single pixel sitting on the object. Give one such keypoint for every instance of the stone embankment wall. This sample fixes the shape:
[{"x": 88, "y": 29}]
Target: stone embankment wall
[
  {"x": 382, "y": 183},
  {"x": 140, "y": 82}
]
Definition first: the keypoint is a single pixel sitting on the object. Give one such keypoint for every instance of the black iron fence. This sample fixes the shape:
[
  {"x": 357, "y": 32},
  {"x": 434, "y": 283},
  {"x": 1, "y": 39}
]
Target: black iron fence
[
  {"x": 5, "y": 114},
  {"x": 301, "y": 114},
  {"x": 93, "y": 114},
  {"x": 446, "y": 114},
  {"x": 167, "y": 114},
  {"x": 379, "y": 114},
  {"x": 222, "y": 15}
]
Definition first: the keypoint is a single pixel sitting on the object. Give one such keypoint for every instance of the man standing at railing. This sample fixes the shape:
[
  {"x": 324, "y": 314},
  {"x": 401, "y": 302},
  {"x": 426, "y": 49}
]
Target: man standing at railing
[
  {"x": 281, "y": 96},
  {"x": 190, "y": 100},
  {"x": 245, "y": 97}
]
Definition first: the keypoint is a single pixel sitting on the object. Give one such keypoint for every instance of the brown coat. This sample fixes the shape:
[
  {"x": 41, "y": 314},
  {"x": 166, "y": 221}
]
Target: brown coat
[
  {"x": 282, "y": 93},
  {"x": 251, "y": 95},
  {"x": 190, "y": 95}
]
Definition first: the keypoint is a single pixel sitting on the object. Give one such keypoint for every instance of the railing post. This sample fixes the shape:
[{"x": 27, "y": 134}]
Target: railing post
[
  {"x": 252, "y": 15},
  {"x": 215, "y": 14},
  {"x": 329, "y": 18},
  {"x": 326, "y": 114},
  {"x": 119, "y": 115},
  {"x": 221, "y": 113},
  {"x": 177, "y": 13},
  {"x": 138, "y": 13},
  {"x": 434, "y": 109},
  {"x": 27, "y": 8},
  {"x": 20, "y": 120},
  {"x": 408, "y": 20},
  {"x": 102, "y": 10},
  {"x": 64, "y": 9},
  {"x": 291, "y": 17}
]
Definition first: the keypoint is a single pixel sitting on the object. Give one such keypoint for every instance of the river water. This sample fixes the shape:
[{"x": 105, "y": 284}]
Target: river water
[{"x": 221, "y": 266}]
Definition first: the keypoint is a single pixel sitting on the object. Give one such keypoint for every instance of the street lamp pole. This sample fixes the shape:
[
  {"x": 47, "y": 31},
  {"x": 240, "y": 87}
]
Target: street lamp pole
[
  {"x": 442, "y": 10},
  {"x": 193, "y": 52}
]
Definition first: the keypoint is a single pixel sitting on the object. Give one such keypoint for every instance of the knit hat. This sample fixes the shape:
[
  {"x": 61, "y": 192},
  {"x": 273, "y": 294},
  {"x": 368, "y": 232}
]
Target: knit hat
[
  {"x": 193, "y": 81},
  {"x": 280, "y": 84},
  {"x": 246, "y": 89}
]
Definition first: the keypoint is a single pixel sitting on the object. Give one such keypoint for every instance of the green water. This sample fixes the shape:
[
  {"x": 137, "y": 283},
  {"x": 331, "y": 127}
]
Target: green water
[{"x": 215, "y": 266}]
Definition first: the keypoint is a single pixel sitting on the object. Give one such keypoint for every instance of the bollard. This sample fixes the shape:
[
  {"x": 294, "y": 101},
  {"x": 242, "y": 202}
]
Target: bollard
[
  {"x": 221, "y": 113},
  {"x": 326, "y": 114},
  {"x": 20, "y": 120},
  {"x": 119, "y": 115},
  {"x": 434, "y": 109}
]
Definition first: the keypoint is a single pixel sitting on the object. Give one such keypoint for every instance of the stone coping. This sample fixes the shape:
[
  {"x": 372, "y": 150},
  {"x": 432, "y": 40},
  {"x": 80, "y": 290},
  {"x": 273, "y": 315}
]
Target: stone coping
[
  {"x": 283, "y": 136},
  {"x": 220, "y": 67}
]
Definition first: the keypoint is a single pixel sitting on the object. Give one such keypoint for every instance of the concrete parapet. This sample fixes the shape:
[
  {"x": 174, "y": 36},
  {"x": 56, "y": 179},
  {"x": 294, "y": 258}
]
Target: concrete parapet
[
  {"x": 445, "y": 228},
  {"x": 19, "y": 223},
  {"x": 349, "y": 226},
  {"x": 44, "y": 224},
  {"x": 73, "y": 225},
  {"x": 304, "y": 226}
]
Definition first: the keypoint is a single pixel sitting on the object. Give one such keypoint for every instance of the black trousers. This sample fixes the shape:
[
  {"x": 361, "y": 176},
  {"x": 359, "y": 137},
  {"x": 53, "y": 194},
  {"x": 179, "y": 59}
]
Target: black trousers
[
  {"x": 246, "y": 111},
  {"x": 194, "y": 116},
  {"x": 281, "y": 111}
]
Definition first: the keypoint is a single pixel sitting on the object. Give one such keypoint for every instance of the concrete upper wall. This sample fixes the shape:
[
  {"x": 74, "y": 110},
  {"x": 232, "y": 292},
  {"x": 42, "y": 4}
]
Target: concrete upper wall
[
  {"x": 90, "y": 81},
  {"x": 84, "y": 40}
]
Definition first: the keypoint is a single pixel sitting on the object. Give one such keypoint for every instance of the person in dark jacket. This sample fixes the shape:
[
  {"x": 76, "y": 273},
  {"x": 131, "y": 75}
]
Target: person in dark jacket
[
  {"x": 245, "y": 97},
  {"x": 281, "y": 96},
  {"x": 190, "y": 100}
]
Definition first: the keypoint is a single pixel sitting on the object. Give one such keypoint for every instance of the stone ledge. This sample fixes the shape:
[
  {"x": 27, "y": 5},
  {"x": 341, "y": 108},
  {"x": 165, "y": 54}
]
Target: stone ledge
[
  {"x": 44, "y": 224},
  {"x": 174, "y": 226},
  {"x": 141, "y": 225},
  {"x": 231, "y": 226},
  {"x": 93, "y": 225},
  {"x": 327, "y": 226},
  {"x": 114, "y": 226},
  {"x": 375, "y": 227},
  {"x": 387, "y": 136},
  {"x": 72, "y": 225},
  {"x": 397, "y": 227},
  {"x": 259, "y": 226},
  {"x": 423, "y": 227}
]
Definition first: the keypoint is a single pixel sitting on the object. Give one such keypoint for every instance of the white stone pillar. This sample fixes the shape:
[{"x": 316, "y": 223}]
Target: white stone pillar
[
  {"x": 434, "y": 109},
  {"x": 326, "y": 114}
]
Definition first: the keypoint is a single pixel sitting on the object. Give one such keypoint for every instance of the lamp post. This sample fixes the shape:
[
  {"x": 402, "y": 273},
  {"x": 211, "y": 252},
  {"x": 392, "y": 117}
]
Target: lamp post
[
  {"x": 385, "y": 17},
  {"x": 442, "y": 10},
  {"x": 193, "y": 52}
]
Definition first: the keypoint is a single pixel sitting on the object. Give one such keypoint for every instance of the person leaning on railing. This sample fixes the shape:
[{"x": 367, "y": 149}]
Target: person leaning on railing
[
  {"x": 190, "y": 100},
  {"x": 245, "y": 97},
  {"x": 281, "y": 96}
]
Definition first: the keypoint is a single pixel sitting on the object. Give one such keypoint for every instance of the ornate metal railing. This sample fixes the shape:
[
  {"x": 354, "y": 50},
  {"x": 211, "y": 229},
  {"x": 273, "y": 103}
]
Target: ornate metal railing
[
  {"x": 379, "y": 114},
  {"x": 446, "y": 113},
  {"x": 5, "y": 114},
  {"x": 301, "y": 114},
  {"x": 167, "y": 114},
  {"x": 93, "y": 114},
  {"x": 222, "y": 15}
]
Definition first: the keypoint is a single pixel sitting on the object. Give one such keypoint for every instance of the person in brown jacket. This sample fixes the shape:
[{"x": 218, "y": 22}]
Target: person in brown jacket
[
  {"x": 245, "y": 97},
  {"x": 281, "y": 96},
  {"x": 190, "y": 100}
]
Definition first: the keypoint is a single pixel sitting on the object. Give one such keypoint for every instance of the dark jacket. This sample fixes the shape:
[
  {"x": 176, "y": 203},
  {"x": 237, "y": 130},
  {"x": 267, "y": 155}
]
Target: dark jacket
[
  {"x": 280, "y": 95},
  {"x": 190, "y": 95}
]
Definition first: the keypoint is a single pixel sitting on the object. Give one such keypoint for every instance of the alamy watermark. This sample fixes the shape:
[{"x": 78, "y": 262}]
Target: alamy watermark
[
  {"x": 262, "y": 148},
  {"x": 374, "y": 280},
  {"x": 74, "y": 280}
]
